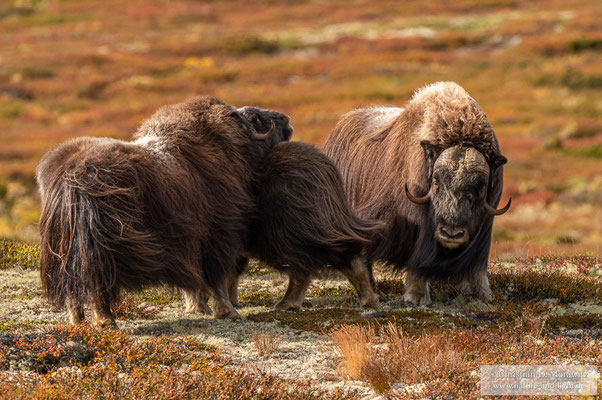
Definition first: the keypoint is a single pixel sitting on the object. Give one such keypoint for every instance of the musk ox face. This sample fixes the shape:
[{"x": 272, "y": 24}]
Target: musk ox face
[
  {"x": 458, "y": 194},
  {"x": 266, "y": 125}
]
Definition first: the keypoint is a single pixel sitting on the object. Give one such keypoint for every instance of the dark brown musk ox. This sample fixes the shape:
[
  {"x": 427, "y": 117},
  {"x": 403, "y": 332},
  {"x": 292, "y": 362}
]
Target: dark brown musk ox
[
  {"x": 170, "y": 207},
  {"x": 442, "y": 146},
  {"x": 304, "y": 226}
]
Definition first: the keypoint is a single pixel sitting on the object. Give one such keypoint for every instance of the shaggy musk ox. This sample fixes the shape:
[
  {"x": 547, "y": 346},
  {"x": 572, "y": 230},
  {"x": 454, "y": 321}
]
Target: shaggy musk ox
[
  {"x": 304, "y": 226},
  {"x": 170, "y": 207},
  {"x": 441, "y": 146}
]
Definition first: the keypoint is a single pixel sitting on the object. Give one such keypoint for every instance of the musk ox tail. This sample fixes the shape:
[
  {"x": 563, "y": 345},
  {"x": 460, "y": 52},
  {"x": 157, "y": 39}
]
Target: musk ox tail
[
  {"x": 94, "y": 236},
  {"x": 305, "y": 218}
]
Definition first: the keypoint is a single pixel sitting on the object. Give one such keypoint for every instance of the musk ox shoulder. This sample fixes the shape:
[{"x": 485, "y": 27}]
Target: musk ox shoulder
[
  {"x": 442, "y": 146},
  {"x": 170, "y": 207}
]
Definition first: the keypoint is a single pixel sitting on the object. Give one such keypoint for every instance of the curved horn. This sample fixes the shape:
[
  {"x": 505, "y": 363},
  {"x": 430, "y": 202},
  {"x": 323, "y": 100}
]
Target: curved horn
[
  {"x": 492, "y": 211},
  {"x": 418, "y": 200},
  {"x": 267, "y": 135}
]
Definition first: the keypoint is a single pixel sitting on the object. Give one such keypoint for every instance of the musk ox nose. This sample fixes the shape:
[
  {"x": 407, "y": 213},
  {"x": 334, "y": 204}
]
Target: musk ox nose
[
  {"x": 452, "y": 237},
  {"x": 452, "y": 233}
]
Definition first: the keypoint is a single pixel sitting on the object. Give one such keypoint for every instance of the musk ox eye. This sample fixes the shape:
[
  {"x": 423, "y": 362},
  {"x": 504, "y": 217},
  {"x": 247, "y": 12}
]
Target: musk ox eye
[{"x": 435, "y": 184}]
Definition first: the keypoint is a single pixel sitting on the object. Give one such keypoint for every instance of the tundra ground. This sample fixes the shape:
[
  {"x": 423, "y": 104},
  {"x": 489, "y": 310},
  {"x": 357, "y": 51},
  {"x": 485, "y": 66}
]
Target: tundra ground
[{"x": 545, "y": 311}]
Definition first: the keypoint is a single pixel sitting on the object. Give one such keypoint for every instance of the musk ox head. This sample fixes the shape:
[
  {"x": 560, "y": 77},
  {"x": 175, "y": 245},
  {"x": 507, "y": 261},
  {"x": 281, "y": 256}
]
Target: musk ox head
[
  {"x": 266, "y": 125},
  {"x": 461, "y": 178}
]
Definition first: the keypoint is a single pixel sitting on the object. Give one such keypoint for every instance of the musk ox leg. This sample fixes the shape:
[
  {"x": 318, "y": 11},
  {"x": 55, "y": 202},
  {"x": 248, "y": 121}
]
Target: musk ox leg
[
  {"x": 416, "y": 290},
  {"x": 75, "y": 310},
  {"x": 196, "y": 302},
  {"x": 241, "y": 267},
  {"x": 480, "y": 285},
  {"x": 360, "y": 277},
  {"x": 233, "y": 290},
  {"x": 464, "y": 287},
  {"x": 101, "y": 313},
  {"x": 295, "y": 293},
  {"x": 222, "y": 307}
]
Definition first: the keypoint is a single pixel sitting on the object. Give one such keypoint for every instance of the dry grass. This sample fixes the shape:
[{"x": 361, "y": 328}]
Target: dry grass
[
  {"x": 354, "y": 342},
  {"x": 266, "y": 343},
  {"x": 393, "y": 356}
]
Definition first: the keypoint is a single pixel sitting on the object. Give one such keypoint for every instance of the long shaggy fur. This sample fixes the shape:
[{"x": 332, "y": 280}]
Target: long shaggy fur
[
  {"x": 303, "y": 218},
  {"x": 170, "y": 207},
  {"x": 379, "y": 152}
]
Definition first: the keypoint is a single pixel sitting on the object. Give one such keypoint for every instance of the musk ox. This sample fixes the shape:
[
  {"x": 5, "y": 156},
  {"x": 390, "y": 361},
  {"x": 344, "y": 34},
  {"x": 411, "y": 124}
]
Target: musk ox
[
  {"x": 304, "y": 225},
  {"x": 442, "y": 146},
  {"x": 170, "y": 207}
]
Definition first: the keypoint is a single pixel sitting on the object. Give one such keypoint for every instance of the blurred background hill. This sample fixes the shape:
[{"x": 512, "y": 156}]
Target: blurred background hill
[{"x": 99, "y": 67}]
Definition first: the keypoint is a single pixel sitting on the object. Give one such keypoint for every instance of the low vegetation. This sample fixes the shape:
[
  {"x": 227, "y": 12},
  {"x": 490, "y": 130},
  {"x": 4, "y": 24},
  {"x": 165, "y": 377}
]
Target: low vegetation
[
  {"x": 546, "y": 310},
  {"x": 72, "y": 363}
]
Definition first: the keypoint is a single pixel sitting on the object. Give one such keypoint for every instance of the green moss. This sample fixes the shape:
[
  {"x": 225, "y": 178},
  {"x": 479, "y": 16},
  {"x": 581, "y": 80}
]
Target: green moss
[
  {"x": 197, "y": 345},
  {"x": 11, "y": 325},
  {"x": 15, "y": 254},
  {"x": 258, "y": 268},
  {"x": 259, "y": 298},
  {"x": 159, "y": 296},
  {"x": 575, "y": 321},
  {"x": 532, "y": 284},
  {"x": 38, "y": 73},
  {"x": 339, "y": 291},
  {"x": 327, "y": 319},
  {"x": 11, "y": 109},
  {"x": 594, "y": 151},
  {"x": 585, "y": 44},
  {"x": 248, "y": 44}
]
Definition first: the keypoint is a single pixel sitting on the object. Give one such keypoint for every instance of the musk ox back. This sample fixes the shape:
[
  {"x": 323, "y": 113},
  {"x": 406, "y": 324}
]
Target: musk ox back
[
  {"x": 442, "y": 146},
  {"x": 170, "y": 207},
  {"x": 304, "y": 224}
]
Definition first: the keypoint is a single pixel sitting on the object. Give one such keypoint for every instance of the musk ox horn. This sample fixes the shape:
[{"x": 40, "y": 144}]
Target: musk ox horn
[
  {"x": 418, "y": 200},
  {"x": 492, "y": 211},
  {"x": 267, "y": 135}
]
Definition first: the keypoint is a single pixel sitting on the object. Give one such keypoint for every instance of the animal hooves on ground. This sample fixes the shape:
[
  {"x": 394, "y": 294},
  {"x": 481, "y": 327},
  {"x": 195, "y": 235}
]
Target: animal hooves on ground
[
  {"x": 233, "y": 315},
  {"x": 203, "y": 310},
  {"x": 417, "y": 300},
  {"x": 105, "y": 324},
  {"x": 287, "y": 307}
]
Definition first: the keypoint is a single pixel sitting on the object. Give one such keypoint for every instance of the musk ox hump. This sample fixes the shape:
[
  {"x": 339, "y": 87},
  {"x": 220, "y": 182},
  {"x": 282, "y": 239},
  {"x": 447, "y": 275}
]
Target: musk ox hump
[{"x": 451, "y": 117}]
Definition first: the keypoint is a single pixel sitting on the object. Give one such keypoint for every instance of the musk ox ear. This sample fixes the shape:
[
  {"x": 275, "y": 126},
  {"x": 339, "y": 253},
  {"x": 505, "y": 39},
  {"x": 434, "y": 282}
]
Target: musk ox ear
[
  {"x": 494, "y": 163},
  {"x": 430, "y": 154},
  {"x": 497, "y": 161}
]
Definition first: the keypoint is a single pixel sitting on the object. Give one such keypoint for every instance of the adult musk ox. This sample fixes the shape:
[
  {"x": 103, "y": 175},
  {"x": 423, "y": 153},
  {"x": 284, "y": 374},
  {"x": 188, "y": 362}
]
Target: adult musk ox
[
  {"x": 170, "y": 207},
  {"x": 304, "y": 224},
  {"x": 442, "y": 147}
]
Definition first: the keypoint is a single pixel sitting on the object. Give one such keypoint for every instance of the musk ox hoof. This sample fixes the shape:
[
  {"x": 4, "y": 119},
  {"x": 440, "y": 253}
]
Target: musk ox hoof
[
  {"x": 369, "y": 303},
  {"x": 237, "y": 304},
  {"x": 104, "y": 324},
  {"x": 231, "y": 314},
  {"x": 418, "y": 299},
  {"x": 286, "y": 306},
  {"x": 199, "y": 309},
  {"x": 485, "y": 295}
]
